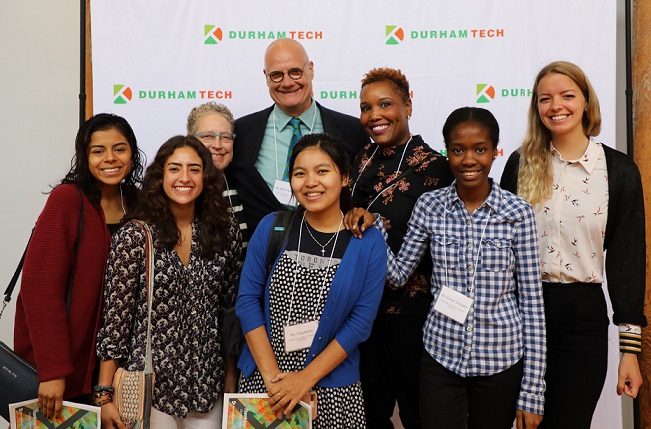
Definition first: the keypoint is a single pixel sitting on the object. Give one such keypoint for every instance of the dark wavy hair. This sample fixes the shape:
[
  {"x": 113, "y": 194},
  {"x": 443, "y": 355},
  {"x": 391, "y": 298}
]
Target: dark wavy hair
[
  {"x": 80, "y": 174},
  {"x": 334, "y": 148},
  {"x": 211, "y": 208},
  {"x": 472, "y": 114}
]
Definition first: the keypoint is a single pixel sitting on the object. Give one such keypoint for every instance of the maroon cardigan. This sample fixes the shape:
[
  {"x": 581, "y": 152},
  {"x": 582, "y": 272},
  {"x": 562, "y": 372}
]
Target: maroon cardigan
[{"x": 57, "y": 345}]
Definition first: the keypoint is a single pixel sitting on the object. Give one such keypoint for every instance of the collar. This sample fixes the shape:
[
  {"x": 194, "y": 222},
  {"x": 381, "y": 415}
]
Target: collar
[
  {"x": 588, "y": 160},
  {"x": 307, "y": 117},
  {"x": 493, "y": 201}
]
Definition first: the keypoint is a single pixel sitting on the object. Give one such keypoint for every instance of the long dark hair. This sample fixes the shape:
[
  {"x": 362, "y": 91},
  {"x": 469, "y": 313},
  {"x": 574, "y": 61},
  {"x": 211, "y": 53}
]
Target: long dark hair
[
  {"x": 80, "y": 174},
  {"x": 334, "y": 148},
  {"x": 211, "y": 209}
]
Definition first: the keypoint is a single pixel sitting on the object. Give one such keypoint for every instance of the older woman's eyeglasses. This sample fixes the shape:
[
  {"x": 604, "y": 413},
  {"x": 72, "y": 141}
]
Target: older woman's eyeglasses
[
  {"x": 209, "y": 137},
  {"x": 296, "y": 73}
]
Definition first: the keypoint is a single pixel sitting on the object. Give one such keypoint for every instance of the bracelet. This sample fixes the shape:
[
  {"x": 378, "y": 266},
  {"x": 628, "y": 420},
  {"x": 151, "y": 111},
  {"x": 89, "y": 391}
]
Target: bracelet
[
  {"x": 97, "y": 397},
  {"x": 103, "y": 388},
  {"x": 100, "y": 402}
]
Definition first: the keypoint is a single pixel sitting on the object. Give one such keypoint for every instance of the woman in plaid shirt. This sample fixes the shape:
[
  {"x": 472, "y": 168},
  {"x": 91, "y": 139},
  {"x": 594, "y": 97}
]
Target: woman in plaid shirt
[{"x": 484, "y": 357}]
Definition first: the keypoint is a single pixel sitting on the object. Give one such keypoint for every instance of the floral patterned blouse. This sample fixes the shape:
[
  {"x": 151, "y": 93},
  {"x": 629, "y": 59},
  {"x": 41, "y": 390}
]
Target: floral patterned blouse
[
  {"x": 186, "y": 336},
  {"x": 572, "y": 223},
  {"x": 373, "y": 172}
]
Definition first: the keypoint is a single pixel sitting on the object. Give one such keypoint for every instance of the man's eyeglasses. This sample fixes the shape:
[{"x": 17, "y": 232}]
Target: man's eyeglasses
[
  {"x": 295, "y": 73},
  {"x": 209, "y": 137}
]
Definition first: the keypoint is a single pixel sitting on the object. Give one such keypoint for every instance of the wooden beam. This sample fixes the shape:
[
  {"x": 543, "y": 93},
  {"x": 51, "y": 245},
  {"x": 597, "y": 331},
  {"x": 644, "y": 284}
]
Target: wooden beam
[{"x": 641, "y": 83}]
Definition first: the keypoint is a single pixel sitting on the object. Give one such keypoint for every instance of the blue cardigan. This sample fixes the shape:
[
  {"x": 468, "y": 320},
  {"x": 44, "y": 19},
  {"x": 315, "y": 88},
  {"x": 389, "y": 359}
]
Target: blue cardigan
[{"x": 348, "y": 314}]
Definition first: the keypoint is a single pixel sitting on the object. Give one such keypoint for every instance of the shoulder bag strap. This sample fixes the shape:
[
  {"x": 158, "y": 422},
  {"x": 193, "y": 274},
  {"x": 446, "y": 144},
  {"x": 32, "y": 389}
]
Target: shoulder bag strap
[
  {"x": 278, "y": 237},
  {"x": 149, "y": 284},
  {"x": 12, "y": 283},
  {"x": 149, "y": 280}
]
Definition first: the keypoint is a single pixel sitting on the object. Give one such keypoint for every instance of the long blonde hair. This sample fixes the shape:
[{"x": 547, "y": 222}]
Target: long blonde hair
[{"x": 535, "y": 175}]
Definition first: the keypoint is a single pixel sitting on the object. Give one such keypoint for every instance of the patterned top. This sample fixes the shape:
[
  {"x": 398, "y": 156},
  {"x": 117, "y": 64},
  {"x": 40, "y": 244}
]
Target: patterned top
[
  {"x": 572, "y": 223},
  {"x": 186, "y": 336},
  {"x": 374, "y": 170},
  {"x": 477, "y": 255}
]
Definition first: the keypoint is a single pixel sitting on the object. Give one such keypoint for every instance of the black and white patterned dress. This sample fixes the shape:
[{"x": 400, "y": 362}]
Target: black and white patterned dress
[
  {"x": 338, "y": 407},
  {"x": 186, "y": 336}
]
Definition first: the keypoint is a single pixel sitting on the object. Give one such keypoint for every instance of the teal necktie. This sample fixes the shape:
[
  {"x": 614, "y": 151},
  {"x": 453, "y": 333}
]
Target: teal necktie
[{"x": 295, "y": 123}]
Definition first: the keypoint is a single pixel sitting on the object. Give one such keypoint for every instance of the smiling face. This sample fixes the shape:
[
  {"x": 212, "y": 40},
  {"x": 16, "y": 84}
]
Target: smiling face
[
  {"x": 292, "y": 96},
  {"x": 471, "y": 153},
  {"x": 316, "y": 182},
  {"x": 561, "y": 105},
  {"x": 384, "y": 114},
  {"x": 183, "y": 178},
  {"x": 220, "y": 149},
  {"x": 109, "y": 157}
]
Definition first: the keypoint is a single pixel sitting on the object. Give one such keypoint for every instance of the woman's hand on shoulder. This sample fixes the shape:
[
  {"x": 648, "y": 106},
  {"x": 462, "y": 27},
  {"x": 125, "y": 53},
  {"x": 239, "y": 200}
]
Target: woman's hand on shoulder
[
  {"x": 527, "y": 420},
  {"x": 358, "y": 220}
]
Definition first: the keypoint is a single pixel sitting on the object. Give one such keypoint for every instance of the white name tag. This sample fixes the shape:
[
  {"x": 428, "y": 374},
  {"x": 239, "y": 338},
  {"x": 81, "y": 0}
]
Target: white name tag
[
  {"x": 300, "y": 336},
  {"x": 283, "y": 192},
  {"x": 453, "y": 304}
]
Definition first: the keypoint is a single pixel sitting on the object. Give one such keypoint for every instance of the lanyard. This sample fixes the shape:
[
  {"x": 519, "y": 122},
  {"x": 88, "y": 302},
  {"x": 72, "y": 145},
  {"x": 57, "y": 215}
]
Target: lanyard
[
  {"x": 276, "y": 146},
  {"x": 402, "y": 157},
  {"x": 298, "y": 256},
  {"x": 481, "y": 239}
]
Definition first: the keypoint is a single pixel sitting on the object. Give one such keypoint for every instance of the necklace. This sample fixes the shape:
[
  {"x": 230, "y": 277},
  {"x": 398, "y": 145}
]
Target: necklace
[{"x": 323, "y": 246}]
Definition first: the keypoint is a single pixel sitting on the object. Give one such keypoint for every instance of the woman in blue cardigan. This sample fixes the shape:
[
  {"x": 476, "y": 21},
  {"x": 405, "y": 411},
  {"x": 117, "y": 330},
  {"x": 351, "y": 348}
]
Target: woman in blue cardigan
[{"x": 324, "y": 285}]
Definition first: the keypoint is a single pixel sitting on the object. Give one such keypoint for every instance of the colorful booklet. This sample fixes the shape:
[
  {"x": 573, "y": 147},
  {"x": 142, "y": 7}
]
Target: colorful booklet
[
  {"x": 27, "y": 415},
  {"x": 253, "y": 411}
]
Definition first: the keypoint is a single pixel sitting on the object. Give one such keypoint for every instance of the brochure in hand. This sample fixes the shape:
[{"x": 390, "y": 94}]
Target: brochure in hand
[
  {"x": 27, "y": 415},
  {"x": 253, "y": 411}
]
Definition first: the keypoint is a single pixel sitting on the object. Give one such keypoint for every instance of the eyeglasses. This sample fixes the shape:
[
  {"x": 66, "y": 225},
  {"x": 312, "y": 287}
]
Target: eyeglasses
[
  {"x": 209, "y": 137},
  {"x": 295, "y": 73}
]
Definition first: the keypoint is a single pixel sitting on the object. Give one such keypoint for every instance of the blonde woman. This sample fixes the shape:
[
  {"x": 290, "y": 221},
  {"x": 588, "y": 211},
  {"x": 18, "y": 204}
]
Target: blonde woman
[{"x": 588, "y": 199}]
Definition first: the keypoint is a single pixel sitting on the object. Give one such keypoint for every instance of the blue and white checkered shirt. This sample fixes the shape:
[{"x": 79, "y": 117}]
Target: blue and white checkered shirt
[{"x": 506, "y": 321}]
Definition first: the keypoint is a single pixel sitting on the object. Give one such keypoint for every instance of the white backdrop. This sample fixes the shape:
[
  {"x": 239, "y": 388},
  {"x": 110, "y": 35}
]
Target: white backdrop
[{"x": 153, "y": 64}]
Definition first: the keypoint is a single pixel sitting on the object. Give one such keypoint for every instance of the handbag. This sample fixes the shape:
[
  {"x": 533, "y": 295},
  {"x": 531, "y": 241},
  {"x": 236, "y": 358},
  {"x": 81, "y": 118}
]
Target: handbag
[
  {"x": 134, "y": 390},
  {"x": 18, "y": 378},
  {"x": 234, "y": 339}
]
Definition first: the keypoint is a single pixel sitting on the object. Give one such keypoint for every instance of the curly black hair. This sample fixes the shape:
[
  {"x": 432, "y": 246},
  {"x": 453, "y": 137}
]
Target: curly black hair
[{"x": 211, "y": 208}]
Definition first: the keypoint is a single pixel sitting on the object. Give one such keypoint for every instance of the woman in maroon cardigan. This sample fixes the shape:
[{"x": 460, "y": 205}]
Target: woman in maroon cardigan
[{"x": 106, "y": 168}]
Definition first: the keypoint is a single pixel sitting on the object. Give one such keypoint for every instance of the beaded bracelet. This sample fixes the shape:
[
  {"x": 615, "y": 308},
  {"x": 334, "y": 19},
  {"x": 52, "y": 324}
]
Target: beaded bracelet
[
  {"x": 99, "y": 402},
  {"x": 103, "y": 388}
]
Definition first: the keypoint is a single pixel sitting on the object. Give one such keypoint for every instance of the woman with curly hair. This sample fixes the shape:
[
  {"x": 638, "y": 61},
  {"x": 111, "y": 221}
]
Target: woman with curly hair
[
  {"x": 103, "y": 178},
  {"x": 196, "y": 248},
  {"x": 588, "y": 199}
]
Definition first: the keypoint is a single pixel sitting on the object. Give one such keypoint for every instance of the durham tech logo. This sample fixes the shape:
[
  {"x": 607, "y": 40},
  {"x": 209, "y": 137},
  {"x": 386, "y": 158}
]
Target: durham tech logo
[
  {"x": 394, "y": 35},
  {"x": 212, "y": 34},
  {"x": 485, "y": 93},
  {"x": 122, "y": 94}
]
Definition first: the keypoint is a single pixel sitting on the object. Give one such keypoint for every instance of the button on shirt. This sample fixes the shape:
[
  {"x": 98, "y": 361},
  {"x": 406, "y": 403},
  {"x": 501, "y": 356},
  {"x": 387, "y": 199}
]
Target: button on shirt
[
  {"x": 498, "y": 328},
  {"x": 572, "y": 223}
]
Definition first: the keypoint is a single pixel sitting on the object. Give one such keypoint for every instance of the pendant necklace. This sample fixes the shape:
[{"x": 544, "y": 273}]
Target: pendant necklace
[{"x": 323, "y": 246}]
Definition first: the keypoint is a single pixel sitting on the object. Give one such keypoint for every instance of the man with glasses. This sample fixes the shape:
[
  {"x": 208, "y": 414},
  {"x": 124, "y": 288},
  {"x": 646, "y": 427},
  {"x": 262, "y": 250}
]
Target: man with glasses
[{"x": 265, "y": 138}]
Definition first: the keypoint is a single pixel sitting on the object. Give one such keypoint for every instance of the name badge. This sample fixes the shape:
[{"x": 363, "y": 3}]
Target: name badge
[
  {"x": 453, "y": 304},
  {"x": 283, "y": 192},
  {"x": 300, "y": 336}
]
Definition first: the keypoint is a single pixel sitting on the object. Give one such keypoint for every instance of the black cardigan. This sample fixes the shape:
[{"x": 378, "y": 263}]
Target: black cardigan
[{"x": 625, "y": 239}]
